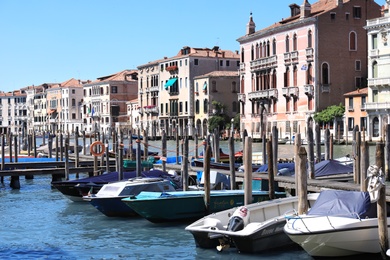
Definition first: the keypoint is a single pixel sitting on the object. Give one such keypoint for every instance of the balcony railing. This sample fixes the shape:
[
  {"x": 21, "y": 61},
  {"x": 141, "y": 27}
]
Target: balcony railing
[
  {"x": 242, "y": 66},
  {"x": 287, "y": 57},
  {"x": 294, "y": 55},
  {"x": 241, "y": 97},
  {"x": 381, "y": 20},
  {"x": 290, "y": 91},
  {"x": 155, "y": 88},
  {"x": 374, "y": 52},
  {"x": 308, "y": 89},
  {"x": 325, "y": 88},
  {"x": 377, "y": 105},
  {"x": 378, "y": 82},
  {"x": 309, "y": 53},
  {"x": 268, "y": 93},
  {"x": 264, "y": 62}
]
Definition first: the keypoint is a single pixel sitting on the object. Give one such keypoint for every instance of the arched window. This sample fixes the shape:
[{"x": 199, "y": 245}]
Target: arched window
[
  {"x": 287, "y": 44},
  {"x": 274, "y": 79},
  {"x": 309, "y": 74},
  {"x": 258, "y": 55},
  {"x": 268, "y": 49},
  {"x": 205, "y": 106},
  {"x": 295, "y": 75},
  {"x": 309, "y": 39},
  {"x": 242, "y": 55},
  {"x": 287, "y": 78},
  {"x": 196, "y": 87},
  {"x": 274, "y": 47},
  {"x": 375, "y": 69},
  {"x": 325, "y": 73},
  {"x": 197, "y": 108},
  {"x": 253, "y": 53},
  {"x": 242, "y": 85},
  {"x": 295, "y": 43},
  {"x": 352, "y": 41}
]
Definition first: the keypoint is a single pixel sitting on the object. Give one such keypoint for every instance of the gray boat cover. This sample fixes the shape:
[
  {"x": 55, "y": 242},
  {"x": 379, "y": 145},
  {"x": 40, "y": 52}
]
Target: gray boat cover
[{"x": 352, "y": 204}]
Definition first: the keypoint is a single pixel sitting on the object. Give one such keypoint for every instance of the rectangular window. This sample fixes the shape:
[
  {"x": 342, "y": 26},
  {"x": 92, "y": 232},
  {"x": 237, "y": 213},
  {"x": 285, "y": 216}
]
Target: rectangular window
[
  {"x": 73, "y": 116},
  {"x": 238, "y": 63},
  {"x": 196, "y": 62},
  {"x": 374, "y": 41},
  {"x": 363, "y": 123},
  {"x": 358, "y": 65},
  {"x": 186, "y": 107},
  {"x": 357, "y": 12},
  {"x": 114, "y": 89},
  {"x": 350, "y": 124},
  {"x": 221, "y": 63},
  {"x": 227, "y": 63},
  {"x": 375, "y": 96},
  {"x": 350, "y": 104},
  {"x": 358, "y": 82},
  {"x": 363, "y": 104},
  {"x": 181, "y": 107},
  {"x": 346, "y": 16},
  {"x": 332, "y": 16}
]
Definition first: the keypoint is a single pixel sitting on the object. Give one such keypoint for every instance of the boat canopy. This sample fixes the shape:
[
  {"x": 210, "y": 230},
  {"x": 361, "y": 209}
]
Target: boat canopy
[{"x": 339, "y": 203}]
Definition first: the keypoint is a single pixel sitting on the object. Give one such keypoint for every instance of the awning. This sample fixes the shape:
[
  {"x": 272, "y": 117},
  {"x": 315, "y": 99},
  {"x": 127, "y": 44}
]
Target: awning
[
  {"x": 205, "y": 86},
  {"x": 170, "y": 83}
]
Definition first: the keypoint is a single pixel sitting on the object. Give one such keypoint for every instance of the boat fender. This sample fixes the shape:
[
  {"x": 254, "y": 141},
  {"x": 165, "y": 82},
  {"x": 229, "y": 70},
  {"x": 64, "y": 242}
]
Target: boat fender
[
  {"x": 239, "y": 219},
  {"x": 375, "y": 182}
]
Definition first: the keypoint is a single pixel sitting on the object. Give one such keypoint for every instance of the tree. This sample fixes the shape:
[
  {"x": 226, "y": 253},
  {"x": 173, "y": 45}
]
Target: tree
[{"x": 329, "y": 114}]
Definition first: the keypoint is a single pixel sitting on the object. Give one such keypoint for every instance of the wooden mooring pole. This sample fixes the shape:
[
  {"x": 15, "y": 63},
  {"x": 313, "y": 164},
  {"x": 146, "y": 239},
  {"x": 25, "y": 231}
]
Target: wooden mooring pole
[
  {"x": 302, "y": 181},
  {"x": 206, "y": 173},
  {"x": 248, "y": 171},
  {"x": 381, "y": 203}
]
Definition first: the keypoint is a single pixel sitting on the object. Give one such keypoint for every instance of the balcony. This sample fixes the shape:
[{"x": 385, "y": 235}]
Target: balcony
[
  {"x": 290, "y": 91},
  {"x": 379, "y": 82},
  {"x": 154, "y": 89},
  {"x": 373, "y": 53},
  {"x": 262, "y": 94},
  {"x": 377, "y": 106},
  {"x": 287, "y": 57},
  {"x": 309, "y": 90},
  {"x": 242, "y": 67},
  {"x": 151, "y": 109},
  {"x": 309, "y": 53},
  {"x": 172, "y": 69},
  {"x": 241, "y": 97},
  {"x": 264, "y": 62},
  {"x": 325, "y": 88},
  {"x": 350, "y": 108},
  {"x": 294, "y": 55}
]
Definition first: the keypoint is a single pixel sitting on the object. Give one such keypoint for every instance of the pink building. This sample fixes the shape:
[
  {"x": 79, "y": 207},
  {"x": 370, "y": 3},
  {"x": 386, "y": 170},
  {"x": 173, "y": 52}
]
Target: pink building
[{"x": 302, "y": 64}]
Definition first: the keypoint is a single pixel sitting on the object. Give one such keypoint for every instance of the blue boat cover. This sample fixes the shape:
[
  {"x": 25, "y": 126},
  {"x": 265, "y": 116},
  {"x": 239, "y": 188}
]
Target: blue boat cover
[
  {"x": 331, "y": 167},
  {"x": 290, "y": 166},
  {"x": 351, "y": 204}
]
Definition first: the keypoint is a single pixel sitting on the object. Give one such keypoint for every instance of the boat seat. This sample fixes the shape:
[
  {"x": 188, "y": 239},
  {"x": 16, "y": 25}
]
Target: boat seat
[{"x": 213, "y": 222}]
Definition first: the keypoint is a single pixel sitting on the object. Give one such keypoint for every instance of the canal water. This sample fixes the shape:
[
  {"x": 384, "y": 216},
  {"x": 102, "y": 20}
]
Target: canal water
[{"x": 38, "y": 222}]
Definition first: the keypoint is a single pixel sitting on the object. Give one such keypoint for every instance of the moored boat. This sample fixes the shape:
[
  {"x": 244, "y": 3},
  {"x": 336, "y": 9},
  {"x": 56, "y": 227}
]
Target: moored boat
[
  {"x": 188, "y": 205},
  {"x": 108, "y": 200},
  {"x": 262, "y": 231},
  {"x": 341, "y": 223},
  {"x": 76, "y": 189}
]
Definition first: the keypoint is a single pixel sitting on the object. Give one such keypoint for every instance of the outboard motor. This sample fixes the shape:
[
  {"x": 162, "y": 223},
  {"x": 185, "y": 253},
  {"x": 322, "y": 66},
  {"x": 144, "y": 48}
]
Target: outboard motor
[{"x": 237, "y": 221}]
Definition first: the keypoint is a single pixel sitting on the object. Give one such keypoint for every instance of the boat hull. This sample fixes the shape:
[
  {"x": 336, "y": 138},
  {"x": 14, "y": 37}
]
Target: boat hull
[
  {"x": 191, "y": 206},
  {"x": 358, "y": 236},
  {"x": 263, "y": 232},
  {"x": 112, "y": 207}
]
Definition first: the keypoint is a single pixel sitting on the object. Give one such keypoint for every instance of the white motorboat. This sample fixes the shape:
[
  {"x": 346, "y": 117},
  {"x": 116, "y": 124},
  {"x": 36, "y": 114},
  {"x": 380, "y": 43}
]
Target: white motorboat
[
  {"x": 341, "y": 223},
  {"x": 261, "y": 229},
  {"x": 108, "y": 199}
]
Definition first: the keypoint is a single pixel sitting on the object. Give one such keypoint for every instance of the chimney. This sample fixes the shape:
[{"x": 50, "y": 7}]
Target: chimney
[
  {"x": 250, "y": 26},
  {"x": 295, "y": 9},
  {"x": 339, "y": 2},
  {"x": 305, "y": 9}
]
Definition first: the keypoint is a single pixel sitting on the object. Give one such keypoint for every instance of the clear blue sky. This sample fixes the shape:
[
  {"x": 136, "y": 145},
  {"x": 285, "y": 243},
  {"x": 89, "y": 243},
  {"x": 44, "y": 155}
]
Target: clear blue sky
[{"x": 46, "y": 41}]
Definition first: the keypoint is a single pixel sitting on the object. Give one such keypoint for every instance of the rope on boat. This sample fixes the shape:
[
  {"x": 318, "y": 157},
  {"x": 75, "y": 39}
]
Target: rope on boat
[{"x": 375, "y": 183}]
